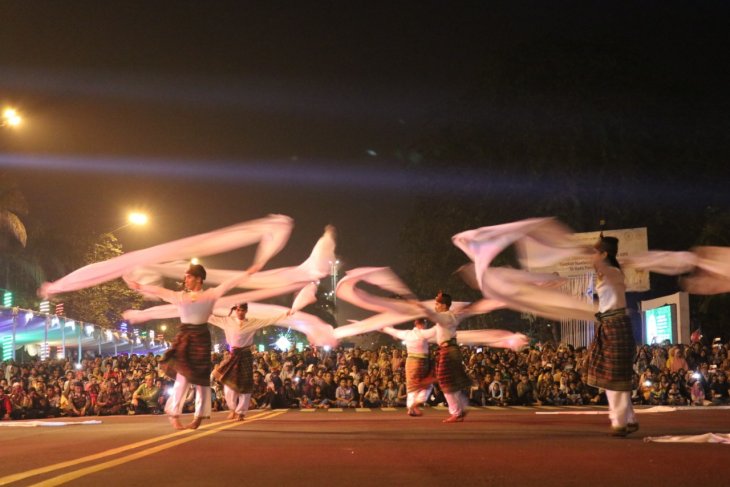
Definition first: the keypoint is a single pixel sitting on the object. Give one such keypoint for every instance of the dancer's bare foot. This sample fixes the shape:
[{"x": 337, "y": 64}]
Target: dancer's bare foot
[
  {"x": 231, "y": 415},
  {"x": 194, "y": 425},
  {"x": 454, "y": 418},
  {"x": 240, "y": 417},
  {"x": 175, "y": 422}
]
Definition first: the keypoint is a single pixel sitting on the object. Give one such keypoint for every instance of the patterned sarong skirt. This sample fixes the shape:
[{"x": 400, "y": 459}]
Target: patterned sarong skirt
[
  {"x": 236, "y": 371},
  {"x": 450, "y": 371},
  {"x": 189, "y": 355},
  {"x": 418, "y": 372},
  {"x": 611, "y": 355}
]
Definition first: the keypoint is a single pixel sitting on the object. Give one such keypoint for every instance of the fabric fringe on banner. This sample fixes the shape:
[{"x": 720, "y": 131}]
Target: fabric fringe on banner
[{"x": 578, "y": 333}]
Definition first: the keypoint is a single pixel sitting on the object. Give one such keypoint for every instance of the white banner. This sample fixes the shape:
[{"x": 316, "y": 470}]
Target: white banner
[{"x": 632, "y": 241}]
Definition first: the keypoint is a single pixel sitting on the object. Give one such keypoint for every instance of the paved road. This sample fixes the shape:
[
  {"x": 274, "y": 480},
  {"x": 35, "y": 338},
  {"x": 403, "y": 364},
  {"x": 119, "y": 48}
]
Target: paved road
[{"x": 499, "y": 446}]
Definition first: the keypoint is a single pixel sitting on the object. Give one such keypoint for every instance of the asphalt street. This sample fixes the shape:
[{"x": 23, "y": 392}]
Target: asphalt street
[{"x": 494, "y": 446}]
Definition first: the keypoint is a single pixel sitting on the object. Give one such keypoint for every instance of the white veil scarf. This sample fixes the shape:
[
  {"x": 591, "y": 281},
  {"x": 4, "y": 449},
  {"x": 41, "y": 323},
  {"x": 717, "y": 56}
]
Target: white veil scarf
[
  {"x": 317, "y": 331},
  {"x": 395, "y": 311},
  {"x": 302, "y": 279},
  {"x": 271, "y": 233},
  {"x": 708, "y": 267},
  {"x": 519, "y": 289}
]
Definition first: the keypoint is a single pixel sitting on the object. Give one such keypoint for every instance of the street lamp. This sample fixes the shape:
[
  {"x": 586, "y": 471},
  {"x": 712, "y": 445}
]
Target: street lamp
[
  {"x": 135, "y": 218},
  {"x": 10, "y": 118}
]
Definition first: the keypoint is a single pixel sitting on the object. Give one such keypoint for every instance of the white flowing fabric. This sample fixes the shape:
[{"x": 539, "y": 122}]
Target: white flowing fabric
[
  {"x": 163, "y": 311},
  {"x": 382, "y": 277},
  {"x": 305, "y": 297},
  {"x": 273, "y": 283},
  {"x": 518, "y": 289},
  {"x": 492, "y": 338},
  {"x": 271, "y": 233},
  {"x": 396, "y": 311},
  {"x": 317, "y": 331},
  {"x": 721, "y": 438},
  {"x": 317, "y": 266},
  {"x": 709, "y": 267},
  {"x": 35, "y": 424}
]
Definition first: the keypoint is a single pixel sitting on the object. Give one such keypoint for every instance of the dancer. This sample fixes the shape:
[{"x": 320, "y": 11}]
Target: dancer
[
  {"x": 188, "y": 359},
  {"x": 612, "y": 351},
  {"x": 450, "y": 372},
  {"x": 236, "y": 371},
  {"x": 419, "y": 376}
]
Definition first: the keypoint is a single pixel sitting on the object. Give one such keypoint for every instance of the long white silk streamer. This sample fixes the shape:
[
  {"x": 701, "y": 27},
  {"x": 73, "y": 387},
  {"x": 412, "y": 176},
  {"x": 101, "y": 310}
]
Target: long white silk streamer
[
  {"x": 317, "y": 266},
  {"x": 492, "y": 338},
  {"x": 382, "y": 277},
  {"x": 394, "y": 311},
  {"x": 163, "y": 311},
  {"x": 271, "y": 233},
  {"x": 661, "y": 261},
  {"x": 519, "y": 289},
  {"x": 273, "y": 283},
  {"x": 305, "y": 297},
  {"x": 550, "y": 239},
  {"x": 317, "y": 331},
  {"x": 709, "y": 267}
]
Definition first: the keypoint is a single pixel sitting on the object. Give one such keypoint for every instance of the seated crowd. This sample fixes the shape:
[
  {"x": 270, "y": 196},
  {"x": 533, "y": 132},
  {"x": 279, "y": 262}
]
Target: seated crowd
[{"x": 343, "y": 378}]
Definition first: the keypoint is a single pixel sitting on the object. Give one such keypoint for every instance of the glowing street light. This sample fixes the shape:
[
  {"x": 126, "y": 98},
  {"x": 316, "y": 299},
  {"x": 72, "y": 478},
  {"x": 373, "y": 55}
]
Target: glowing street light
[
  {"x": 135, "y": 218},
  {"x": 10, "y": 118}
]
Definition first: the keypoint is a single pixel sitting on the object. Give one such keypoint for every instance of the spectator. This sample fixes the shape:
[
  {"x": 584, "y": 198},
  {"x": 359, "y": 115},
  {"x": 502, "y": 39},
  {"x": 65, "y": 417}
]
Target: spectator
[
  {"x": 145, "y": 399},
  {"x": 291, "y": 396},
  {"x": 719, "y": 390},
  {"x": 390, "y": 394},
  {"x": 371, "y": 398},
  {"x": 78, "y": 401},
  {"x": 261, "y": 396},
  {"x": 344, "y": 395},
  {"x": 320, "y": 401},
  {"x": 697, "y": 394},
  {"x": 109, "y": 400},
  {"x": 5, "y": 407}
]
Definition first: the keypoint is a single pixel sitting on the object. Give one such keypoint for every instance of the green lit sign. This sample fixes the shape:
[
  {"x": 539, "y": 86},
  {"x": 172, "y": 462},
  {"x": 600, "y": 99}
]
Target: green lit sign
[{"x": 659, "y": 324}]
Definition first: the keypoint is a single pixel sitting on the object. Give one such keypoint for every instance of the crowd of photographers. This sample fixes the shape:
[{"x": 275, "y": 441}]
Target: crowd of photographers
[{"x": 665, "y": 374}]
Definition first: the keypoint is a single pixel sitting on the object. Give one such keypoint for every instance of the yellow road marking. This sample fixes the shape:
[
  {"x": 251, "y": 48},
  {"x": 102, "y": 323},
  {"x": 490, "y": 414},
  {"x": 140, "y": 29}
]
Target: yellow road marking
[
  {"x": 64, "y": 478},
  {"x": 96, "y": 456}
]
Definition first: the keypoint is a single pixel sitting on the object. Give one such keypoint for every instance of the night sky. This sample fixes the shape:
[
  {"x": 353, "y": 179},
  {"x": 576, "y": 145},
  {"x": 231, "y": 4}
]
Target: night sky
[{"x": 209, "y": 113}]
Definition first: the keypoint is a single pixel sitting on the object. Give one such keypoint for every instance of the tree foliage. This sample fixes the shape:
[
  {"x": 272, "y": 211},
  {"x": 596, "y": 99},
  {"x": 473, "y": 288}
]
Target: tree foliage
[{"x": 103, "y": 304}]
